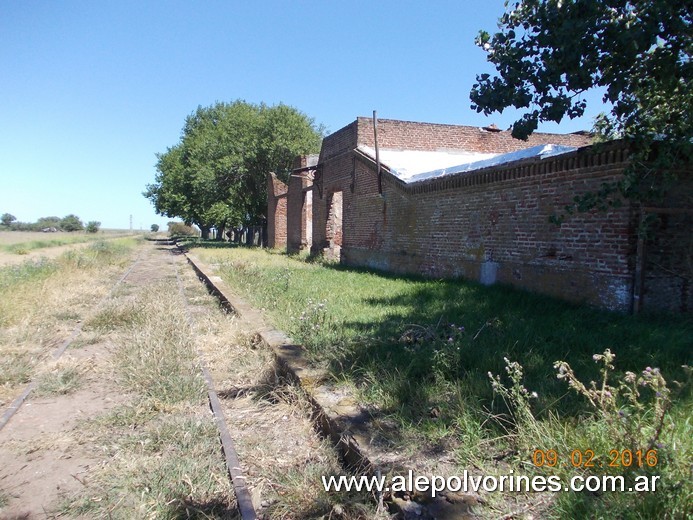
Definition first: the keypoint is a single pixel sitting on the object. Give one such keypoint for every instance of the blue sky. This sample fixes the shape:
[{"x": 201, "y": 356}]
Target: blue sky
[{"x": 90, "y": 91}]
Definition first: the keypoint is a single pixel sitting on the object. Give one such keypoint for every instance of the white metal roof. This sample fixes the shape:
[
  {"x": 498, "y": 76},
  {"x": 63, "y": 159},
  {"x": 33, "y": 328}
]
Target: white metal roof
[{"x": 413, "y": 165}]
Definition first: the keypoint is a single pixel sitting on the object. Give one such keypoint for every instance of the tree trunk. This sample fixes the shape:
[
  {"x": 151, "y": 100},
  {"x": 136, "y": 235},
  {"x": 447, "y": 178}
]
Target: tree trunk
[
  {"x": 220, "y": 233},
  {"x": 204, "y": 232}
]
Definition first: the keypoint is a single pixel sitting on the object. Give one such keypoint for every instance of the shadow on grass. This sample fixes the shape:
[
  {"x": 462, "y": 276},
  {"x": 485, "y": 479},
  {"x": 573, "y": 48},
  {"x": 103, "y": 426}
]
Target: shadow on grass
[
  {"x": 421, "y": 343},
  {"x": 188, "y": 508},
  {"x": 420, "y": 350}
]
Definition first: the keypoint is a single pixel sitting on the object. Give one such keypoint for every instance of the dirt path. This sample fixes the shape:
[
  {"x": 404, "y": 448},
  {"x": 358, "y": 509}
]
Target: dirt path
[
  {"x": 118, "y": 448},
  {"x": 43, "y": 455}
]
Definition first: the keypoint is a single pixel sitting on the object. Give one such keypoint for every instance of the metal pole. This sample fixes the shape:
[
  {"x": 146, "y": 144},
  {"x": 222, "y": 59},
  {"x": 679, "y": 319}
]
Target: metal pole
[{"x": 377, "y": 151}]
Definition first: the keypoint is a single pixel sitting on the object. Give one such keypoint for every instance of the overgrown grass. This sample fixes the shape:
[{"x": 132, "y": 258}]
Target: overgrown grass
[
  {"x": 162, "y": 464},
  {"x": 419, "y": 353},
  {"x": 154, "y": 351},
  {"x": 41, "y": 301},
  {"x": 14, "y": 242},
  {"x": 162, "y": 446}
]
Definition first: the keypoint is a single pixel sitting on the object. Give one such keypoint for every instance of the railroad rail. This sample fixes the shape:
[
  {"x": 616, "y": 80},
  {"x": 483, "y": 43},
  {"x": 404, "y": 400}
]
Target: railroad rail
[{"x": 58, "y": 352}]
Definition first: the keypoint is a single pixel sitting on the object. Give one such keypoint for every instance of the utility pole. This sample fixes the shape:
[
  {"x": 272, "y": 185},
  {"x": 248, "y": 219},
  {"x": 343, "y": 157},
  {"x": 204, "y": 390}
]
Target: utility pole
[{"x": 130, "y": 222}]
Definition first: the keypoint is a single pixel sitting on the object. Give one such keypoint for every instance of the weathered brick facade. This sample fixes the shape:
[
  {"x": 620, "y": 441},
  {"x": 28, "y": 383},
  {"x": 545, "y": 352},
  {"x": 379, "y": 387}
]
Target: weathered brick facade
[
  {"x": 492, "y": 225},
  {"x": 289, "y": 208},
  {"x": 276, "y": 211}
]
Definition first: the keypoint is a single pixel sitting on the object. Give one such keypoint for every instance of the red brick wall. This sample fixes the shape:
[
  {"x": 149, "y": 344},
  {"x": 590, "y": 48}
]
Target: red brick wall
[
  {"x": 451, "y": 227},
  {"x": 276, "y": 212},
  {"x": 491, "y": 220},
  {"x": 335, "y": 172},
  {"x": 299, "y": 208}
]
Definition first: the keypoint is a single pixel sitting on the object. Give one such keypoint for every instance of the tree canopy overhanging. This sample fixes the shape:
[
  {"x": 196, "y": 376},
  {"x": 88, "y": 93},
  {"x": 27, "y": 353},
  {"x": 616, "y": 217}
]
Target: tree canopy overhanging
[
  {"x": 549, "y": 53},
  {"x": 215, "y": 176}
]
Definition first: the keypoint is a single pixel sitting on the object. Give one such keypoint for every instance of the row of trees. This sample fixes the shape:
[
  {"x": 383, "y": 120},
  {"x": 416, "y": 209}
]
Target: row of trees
[
  {"x": 215, "y": 176},
  {"x": 68, "y": 223}
]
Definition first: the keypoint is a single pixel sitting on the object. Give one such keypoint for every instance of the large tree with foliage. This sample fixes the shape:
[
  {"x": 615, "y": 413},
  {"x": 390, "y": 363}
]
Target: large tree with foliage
[
  {"x": 71, "y": 222},
  {"x": 549, "y": 53},
  {"x": 7, "y": 219},
  {"x": 215, "y": 175}
]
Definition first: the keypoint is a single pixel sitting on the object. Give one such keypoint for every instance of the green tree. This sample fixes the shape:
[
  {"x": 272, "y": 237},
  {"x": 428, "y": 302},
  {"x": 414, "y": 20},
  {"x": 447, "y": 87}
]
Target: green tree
[
  {"x": 71, "y": 223},
  {"x": 215, "y": 175},
  {"x": 154, "y": 228},
  {"x": 93, "y": 226},
  {"x": 45, "y": 222},
  {"x": 549, "y": 53},
  {"x": 7, "y": 219}
]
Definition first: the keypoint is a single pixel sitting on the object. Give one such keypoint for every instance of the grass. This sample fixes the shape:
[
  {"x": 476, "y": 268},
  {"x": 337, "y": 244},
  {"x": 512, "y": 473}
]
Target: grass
[
  {"x": 418, "y": 352},
  {"x": 21, "y": 242},
  {"x": 40, "y": 302},
  {"x": 162, "y": 445},
  {"x": 64, "y": 378},
  {"x": 162, "y": 464},
  {"x": 150, "y": 360}
]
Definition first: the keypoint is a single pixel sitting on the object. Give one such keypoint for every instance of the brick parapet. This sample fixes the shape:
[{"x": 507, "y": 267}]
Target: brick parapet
[{"x": 409, "y": 135}]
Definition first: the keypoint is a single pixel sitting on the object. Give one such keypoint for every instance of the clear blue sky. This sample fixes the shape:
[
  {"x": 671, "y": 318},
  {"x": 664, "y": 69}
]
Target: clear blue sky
[{"x": 91, "y": 90}]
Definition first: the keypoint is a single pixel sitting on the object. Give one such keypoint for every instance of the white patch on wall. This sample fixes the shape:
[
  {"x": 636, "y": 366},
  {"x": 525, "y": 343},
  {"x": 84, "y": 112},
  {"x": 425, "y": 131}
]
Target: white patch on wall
[
  {"x": 617, "y": 295},
  {"x": 489, "y": 272}
]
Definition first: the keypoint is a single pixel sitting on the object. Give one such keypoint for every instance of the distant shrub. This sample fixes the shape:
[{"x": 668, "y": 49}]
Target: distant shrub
[
  {"x": 93, "y": 226},
  {"x": 181, "y": 229},
  {"x": 7, "y": 219},
  {"x": 155, "y": 228},
  {"x": 71, "y": 223}
]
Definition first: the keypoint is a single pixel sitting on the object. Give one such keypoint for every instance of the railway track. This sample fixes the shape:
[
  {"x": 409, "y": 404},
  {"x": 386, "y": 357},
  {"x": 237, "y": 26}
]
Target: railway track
[
  {"x": 17, "y": 403},
  {"x": 156, "y": 261},
  {"x": 269, "y": 426},
  {"x": 233, "y": 465},
  {"x": 153, "y": 262}
]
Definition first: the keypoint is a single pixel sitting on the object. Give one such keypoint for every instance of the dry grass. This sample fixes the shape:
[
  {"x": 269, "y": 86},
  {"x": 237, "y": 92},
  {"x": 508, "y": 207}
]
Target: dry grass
[
  {"x": 11, "y": 238},
  {"x": 61, "y": 377},
  {"x": 42, "y": 303},
  {"x": 162, "y": 445},
  {"x": 282, "y": 456}
]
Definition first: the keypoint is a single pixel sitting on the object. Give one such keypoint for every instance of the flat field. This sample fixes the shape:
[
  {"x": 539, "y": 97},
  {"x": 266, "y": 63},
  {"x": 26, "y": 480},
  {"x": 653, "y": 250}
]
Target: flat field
[
  {"x": 18, "y": 246},
  {"x": 10, "y": 238}
]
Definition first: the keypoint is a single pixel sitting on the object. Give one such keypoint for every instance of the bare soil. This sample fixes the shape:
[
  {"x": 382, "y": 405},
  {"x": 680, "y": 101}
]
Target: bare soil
[
  {"x": 49, "y": 457},
  {"x": 43, "y": 456}
]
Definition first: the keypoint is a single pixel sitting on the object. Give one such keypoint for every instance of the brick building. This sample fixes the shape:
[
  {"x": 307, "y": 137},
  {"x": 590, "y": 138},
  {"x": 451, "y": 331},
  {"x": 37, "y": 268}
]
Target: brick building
[
  {"x": 289, "y": 207},
  {"x": 459, "y": 201}
]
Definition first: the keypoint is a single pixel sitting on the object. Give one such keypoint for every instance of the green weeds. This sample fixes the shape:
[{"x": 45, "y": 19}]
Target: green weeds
[
  {"x": 162, "y": 446},
  {"x": 15, "y": 368},
  {"x": 419, "y": 351},
  {"x": 634, "y": 431},
  {"x": 61, "y": 380}
]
